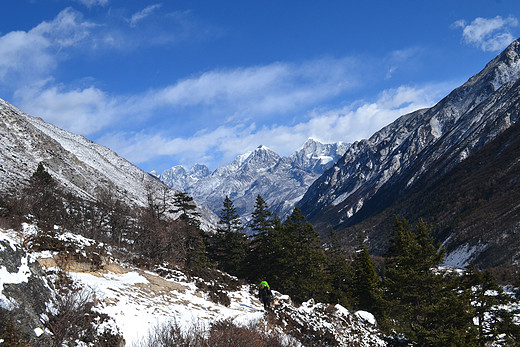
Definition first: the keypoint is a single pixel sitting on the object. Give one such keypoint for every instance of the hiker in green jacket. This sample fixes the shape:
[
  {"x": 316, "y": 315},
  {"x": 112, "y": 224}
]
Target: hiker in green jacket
[{"x": 265, "y": 295}]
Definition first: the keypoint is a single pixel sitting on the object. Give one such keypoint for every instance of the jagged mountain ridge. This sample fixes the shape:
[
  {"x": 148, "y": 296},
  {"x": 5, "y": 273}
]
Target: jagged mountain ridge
[
  {"x": 427, "y": 143},
  {"x": 281, "y": 181},
  {"x": 474, "y": 207},
  {"x": 78, "y": 164}
]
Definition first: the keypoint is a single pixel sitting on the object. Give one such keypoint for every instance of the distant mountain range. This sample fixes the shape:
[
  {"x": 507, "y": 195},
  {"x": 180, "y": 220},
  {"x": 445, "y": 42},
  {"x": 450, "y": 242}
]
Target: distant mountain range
[
  {"x": 281, "y": 181},
  {"x": 402, "y": 167}
]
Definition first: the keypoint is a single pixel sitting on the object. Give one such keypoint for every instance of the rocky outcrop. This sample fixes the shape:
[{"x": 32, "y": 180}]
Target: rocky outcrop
[{"x": 24, "y": 293}]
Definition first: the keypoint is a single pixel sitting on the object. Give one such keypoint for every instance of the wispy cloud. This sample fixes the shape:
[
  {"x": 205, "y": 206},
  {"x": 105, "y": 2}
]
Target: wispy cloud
[
  {"x": 139, "y": 16},
  {"x": 223, "y": 143},
  {"x": 82, "y": 111},
  {"x": 488, "y": 34},
  {"x": 260, "y": 90},
  {"x": 35, "y": 53},
  {"x": 92, "y": 3}
]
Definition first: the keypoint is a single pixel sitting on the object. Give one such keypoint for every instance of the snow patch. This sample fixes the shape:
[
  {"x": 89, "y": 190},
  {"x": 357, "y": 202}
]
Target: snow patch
[
  {"x": 366, "y": 316},
  {"x": 38, "y": 332},
  {"x": 7, "y": 277},
  {"x": 462, "y": 256},
  {"x": 436, "y": 127}
]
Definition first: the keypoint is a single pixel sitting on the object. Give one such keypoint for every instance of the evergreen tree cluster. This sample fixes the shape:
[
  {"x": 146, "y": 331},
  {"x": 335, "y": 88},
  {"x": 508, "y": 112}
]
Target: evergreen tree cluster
[
  {"x": 289, "y": 254},
  {"x": 415, "y": 300},
  {"x": 427, "y": 305}
]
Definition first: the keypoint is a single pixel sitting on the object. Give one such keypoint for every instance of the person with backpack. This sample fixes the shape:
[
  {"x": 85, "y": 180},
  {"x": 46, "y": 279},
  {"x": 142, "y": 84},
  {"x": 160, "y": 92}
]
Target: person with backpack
[{"x": 265, "y": 295}]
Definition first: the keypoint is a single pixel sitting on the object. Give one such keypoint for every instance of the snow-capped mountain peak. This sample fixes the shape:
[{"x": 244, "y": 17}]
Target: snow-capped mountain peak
[{"x": 281, "y": 181}]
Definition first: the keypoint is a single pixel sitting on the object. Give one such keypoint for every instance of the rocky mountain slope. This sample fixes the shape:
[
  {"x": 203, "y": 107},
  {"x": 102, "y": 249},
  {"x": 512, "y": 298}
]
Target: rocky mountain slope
[
  {"x": 475, "y": 206},
  {"x": 78, "y": 164},
  {"x": 418, "y": 148},
  {"x": 281, "y": 181}
]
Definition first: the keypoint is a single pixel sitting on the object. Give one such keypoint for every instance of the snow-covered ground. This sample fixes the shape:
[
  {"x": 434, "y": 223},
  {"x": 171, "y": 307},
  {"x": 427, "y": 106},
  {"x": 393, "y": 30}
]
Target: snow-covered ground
[{"x": 138, "y": 300}]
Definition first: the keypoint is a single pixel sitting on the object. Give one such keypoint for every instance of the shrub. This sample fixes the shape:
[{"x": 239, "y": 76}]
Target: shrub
[
  {"x": 171, "y": 335},
  {"x": 226, "y": 333},
  {"x": 71, "y": 317},
  {"x": 222, "y": 333}
]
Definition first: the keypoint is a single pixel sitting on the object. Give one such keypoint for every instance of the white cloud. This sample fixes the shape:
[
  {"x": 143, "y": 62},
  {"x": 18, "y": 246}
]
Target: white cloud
[
  {"x": 270, "y": 89},
  {"x": 488, "y": 34},
  {"x": 137, "y": 17},
  {"x": 92, "y": 3},
  {"x": 32, "y": 54},
  {"x": 82, "y": 111},
  {"x": 221, "y": 145}
]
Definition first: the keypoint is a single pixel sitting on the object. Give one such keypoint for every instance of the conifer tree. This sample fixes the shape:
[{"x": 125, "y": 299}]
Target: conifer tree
[
  {"x": 366, "y": 288},
  {"x": 302, "y": 260},
  {"x": 488, "y": 299},
  {"x": 262, "y": 220},
  {"x": 424, "y": 303},
  {"x": 229, "y": 245},
  {"x": 261, "y": 253},
  {"x": 229, "y": 218},
  {"x": 186, "y": 205},
  {"x": 340, "y": 272},
  {"x": 44, "y": 199}
]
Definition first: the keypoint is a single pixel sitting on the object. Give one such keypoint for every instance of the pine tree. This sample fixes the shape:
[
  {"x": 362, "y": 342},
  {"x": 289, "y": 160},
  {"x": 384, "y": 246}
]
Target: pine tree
[
  {"x": 186, "y": 205},
  {"x": 302, "y": 260},
  {"x": 488, "y": 299},
  {"x": 340, "y": 272},
  {"x": 229, "y": 245},
  {"x": 425, "y": 304},
  {"x": 262, "y": 220},
  {"x": 261, "y": 253},
  {"x": 229, "y": 218},
  {"x": 44, "y": 199},
  {"x": 366, "y": 288}
]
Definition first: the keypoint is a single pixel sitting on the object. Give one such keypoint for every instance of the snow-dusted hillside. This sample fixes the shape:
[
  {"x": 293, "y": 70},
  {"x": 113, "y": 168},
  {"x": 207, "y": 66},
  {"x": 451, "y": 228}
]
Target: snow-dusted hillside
[
  {"x": 80, "y": 165},
  {"x": 281, "y": 181},
  {"x": 137, "y": 300}
]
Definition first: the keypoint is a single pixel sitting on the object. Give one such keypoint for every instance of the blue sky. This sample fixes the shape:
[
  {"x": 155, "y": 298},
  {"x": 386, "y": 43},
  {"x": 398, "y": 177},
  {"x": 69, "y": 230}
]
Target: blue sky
[{"x": 173, "y": 82}]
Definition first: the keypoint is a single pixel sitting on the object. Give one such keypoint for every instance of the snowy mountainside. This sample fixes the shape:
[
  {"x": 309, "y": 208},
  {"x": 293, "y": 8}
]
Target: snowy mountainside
[
  {"x": 473, "y": 207},
  {"x": 137, "y": 300},
  {"x": 375, "y": 172},
  {"x": 281, "y": 181},
  {"x": 80, "y": 165},
  {"x": 72, "y": 159}
]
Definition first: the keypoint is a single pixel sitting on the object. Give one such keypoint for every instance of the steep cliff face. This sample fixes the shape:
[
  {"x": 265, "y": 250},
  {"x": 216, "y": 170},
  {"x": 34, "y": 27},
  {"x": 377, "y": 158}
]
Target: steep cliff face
[
  {"x": 377, "y": 177},
  {"x": 473, "y": 207},
  {"x": 390, "y": 162}
]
